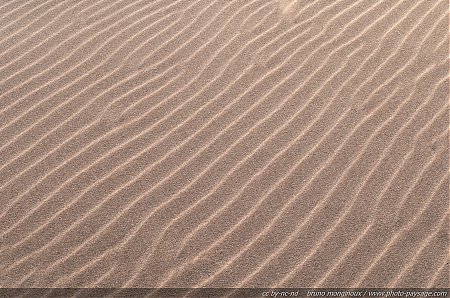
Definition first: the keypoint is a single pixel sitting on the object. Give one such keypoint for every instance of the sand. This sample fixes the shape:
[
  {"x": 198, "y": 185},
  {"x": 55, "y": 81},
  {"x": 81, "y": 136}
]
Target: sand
[{"x": 244, "y": 143}]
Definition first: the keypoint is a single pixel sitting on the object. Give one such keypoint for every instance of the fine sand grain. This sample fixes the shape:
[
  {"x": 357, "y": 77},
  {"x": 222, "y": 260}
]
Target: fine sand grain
[{"x": 219, "y": 143}]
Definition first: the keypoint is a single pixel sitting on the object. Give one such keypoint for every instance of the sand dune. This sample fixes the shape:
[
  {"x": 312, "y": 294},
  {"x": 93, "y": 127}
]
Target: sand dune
[{"x": 244, "y": 143}]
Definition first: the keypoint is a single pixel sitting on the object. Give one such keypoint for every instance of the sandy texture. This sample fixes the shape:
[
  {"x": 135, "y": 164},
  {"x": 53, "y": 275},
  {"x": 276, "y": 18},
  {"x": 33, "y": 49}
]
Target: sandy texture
[{"x": 219, "y": 143}]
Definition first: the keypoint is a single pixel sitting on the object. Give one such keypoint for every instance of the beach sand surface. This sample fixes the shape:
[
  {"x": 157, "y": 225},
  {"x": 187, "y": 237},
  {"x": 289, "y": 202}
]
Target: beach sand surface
[{"x": 216, "y": 143}]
